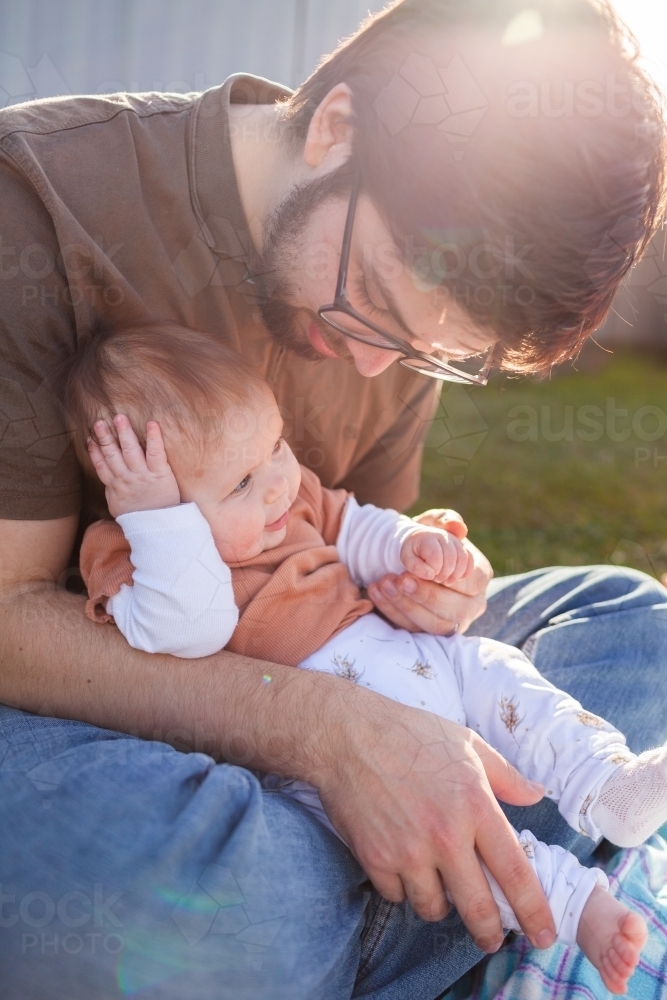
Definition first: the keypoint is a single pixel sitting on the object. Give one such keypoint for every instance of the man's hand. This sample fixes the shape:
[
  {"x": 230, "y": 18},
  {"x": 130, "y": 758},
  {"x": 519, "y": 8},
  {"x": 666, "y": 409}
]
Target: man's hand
[
  {"x": 424, "y": 606},
  {"x": 133, "y": 480},
  {"x": 413, "y": 796},
  {"x": 411, "y": 793}
]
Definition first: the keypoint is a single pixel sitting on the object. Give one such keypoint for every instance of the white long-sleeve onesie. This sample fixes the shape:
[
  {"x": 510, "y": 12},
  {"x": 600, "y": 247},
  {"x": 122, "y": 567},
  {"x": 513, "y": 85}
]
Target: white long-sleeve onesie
[{"x": 182, "y": 602}]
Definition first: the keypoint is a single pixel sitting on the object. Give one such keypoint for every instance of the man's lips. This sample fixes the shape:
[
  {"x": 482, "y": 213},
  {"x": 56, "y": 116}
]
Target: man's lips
[
  {"x": 318, "y": 342},
  {"x": 280, "y": 523}
]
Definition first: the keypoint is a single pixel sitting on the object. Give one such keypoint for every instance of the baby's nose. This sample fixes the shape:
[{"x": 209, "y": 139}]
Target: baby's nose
[{"x": 276, "y": 489}]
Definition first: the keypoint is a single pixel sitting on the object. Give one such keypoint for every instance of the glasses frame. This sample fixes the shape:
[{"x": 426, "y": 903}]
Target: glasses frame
[{"x": 438, "y": 369}]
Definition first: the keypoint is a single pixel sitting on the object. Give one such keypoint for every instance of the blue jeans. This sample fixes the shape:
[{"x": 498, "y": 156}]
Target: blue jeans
[{"x": 128, "y": 867}]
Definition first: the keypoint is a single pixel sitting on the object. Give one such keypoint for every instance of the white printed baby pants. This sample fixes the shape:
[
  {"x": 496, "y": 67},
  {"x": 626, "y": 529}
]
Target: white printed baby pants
[{"x": 496, "y": 691}]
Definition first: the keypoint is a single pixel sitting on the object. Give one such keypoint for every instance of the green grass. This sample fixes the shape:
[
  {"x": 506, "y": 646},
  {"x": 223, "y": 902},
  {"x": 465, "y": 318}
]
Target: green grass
[{"x": 531, "y": 503}]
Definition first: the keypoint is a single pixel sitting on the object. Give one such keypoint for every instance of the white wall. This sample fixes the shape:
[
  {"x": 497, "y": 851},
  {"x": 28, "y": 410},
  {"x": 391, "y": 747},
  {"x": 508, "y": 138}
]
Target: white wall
[{"x": 51, "y": 47}]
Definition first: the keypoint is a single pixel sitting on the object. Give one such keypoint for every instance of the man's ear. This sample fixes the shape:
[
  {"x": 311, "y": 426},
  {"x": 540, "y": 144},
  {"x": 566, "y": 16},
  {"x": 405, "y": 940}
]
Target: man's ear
[{"x": 329, "y": 140}]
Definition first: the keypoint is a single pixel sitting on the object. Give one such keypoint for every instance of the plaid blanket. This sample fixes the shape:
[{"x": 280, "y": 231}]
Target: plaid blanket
[{"x": 638, "y": 877}]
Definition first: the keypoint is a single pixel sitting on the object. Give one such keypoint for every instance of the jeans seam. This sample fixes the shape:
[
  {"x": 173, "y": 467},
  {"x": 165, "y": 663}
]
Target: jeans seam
[{"x": 372, "y": 936}]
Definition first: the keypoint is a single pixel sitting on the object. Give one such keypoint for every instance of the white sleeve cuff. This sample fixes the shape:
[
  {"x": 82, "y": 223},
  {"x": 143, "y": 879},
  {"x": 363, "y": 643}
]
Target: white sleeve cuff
[
  {"x": 370, "y": 540},
  {"x": 181, "y": 601}
]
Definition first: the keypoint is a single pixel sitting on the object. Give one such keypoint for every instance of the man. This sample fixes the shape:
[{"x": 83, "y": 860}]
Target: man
[{"x": 420, "y": 198}]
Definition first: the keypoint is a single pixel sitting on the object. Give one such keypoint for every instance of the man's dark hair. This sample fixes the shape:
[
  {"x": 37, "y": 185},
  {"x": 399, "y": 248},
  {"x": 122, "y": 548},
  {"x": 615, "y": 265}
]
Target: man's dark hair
[{"x": 517, "y": 156}]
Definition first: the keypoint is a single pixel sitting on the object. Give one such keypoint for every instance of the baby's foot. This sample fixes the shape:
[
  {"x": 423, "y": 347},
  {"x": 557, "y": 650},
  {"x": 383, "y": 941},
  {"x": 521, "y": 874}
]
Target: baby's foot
[
  {"x": 611, "y": 937},
  {"x": 633, "y": 802}
]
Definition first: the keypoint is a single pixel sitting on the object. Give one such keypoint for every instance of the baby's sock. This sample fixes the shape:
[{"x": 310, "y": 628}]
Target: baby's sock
[{"x": 632, "y": 804}]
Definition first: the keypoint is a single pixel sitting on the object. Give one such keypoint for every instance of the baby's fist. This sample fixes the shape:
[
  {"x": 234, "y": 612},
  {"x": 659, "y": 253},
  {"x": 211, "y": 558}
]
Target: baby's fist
[{"x": 437, "y": 555}]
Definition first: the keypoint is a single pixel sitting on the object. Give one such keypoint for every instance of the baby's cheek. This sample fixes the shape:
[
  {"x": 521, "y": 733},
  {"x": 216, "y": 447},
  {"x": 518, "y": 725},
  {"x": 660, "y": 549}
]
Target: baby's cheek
[{"x": 237, "y": 538}]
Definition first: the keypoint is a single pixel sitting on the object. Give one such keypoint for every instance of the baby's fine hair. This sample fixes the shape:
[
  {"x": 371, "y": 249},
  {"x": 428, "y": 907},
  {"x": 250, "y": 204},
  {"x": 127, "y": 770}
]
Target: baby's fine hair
[{"x": 186, "y": 380}]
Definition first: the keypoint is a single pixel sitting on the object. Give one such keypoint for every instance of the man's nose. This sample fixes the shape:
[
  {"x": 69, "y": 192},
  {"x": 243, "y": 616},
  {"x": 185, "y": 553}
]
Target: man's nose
[{"x": 370, "y": 361}]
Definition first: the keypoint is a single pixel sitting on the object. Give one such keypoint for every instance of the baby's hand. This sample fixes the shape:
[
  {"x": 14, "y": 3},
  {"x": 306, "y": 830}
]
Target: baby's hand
[
  {"x": 134, "y": 480},
  {"x": 437, "y": 555}
]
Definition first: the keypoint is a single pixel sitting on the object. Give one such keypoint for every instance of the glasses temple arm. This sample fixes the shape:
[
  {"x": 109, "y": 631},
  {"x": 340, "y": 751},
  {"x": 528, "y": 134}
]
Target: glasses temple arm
[
  {"x": 490, "y": 360},
  {"x": 347, "y": 239}
]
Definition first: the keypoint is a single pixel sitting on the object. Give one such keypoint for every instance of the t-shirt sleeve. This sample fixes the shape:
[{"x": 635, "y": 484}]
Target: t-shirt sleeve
[
  {"x": 39, "y": 473},
  {"x": 389, "y": 474}
]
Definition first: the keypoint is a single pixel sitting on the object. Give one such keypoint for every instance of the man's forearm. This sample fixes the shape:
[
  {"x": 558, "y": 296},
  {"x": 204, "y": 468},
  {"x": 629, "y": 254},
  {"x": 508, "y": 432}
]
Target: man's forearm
[
  {"x": 406, "y": 789},
  {"x": 53, "y": 661}
]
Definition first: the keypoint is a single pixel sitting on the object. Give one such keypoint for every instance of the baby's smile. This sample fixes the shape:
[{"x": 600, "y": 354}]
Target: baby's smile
[
  {"x": 280, "y": 523},
  {"x": 249, "y": 479}
]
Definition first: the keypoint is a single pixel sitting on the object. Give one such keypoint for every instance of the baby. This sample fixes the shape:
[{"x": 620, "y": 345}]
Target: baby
[{"x": 233, "y": 544}]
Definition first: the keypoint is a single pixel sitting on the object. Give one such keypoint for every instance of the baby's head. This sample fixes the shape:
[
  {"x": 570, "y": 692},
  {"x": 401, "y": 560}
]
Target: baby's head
[{"x": 219, "y": 419}]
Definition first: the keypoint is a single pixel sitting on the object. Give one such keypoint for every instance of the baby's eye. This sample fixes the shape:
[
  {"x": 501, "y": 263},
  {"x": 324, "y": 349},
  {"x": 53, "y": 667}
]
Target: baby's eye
[
  {"x": 242, "y": 485},
  {"x": 278, "y": 445}
]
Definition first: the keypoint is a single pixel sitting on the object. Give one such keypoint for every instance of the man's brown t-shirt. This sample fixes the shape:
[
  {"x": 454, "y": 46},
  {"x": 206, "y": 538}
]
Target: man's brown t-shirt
[{"x": 125, "y": 208}]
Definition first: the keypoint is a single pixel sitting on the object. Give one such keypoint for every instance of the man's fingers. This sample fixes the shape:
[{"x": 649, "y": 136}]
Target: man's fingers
[
  {"x": 133, "y": 453},
  {"x": 441, "y": 517},
  {"x": 426, "y": 894},
  {"x": 469, "y": 889},
  {"x": 429, "y": 606},
  {"x": 99, "y": 463},
  {"x": 425, "y": 891},
  {"x": 156, "y": 456},
  {"x": 506, "y": 783},
  {"x": 389, "y": 609},
  {"x": 456, "y": 528},
  {"x": 393, "y": 603},
  {"x": 389, "y": 886},
  {"x": 501, "y": 851},
  {"x": 504, "y": 857}
]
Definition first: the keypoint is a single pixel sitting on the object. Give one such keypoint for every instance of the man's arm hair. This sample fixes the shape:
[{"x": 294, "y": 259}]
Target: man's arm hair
[
  {"x": 55, "y": 662},
  {"x": 357, "y": 748}
]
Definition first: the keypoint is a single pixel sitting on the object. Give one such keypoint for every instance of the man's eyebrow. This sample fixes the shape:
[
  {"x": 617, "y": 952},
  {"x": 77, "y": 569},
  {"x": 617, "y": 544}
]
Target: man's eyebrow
[{"x": 392, "y": 308}]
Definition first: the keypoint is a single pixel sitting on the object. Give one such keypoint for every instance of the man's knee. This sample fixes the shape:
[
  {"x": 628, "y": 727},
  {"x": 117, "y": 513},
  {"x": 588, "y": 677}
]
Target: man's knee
[
  {"x": 194, "y": 868},
  {"x": 620, "y": 588}
]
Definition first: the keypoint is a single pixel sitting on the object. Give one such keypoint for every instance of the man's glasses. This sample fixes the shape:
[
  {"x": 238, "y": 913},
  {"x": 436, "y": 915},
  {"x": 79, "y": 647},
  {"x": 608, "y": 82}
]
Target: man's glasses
[{"x": 340, "y": 313}]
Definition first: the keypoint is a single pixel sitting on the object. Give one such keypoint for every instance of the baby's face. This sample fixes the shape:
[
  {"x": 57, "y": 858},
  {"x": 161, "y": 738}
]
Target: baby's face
[{"x": 245, "y": 485}]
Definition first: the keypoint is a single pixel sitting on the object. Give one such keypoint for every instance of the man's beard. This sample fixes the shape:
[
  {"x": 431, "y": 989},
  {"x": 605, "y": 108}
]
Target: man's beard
[{"x": 283, "y": 243}]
